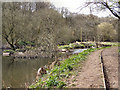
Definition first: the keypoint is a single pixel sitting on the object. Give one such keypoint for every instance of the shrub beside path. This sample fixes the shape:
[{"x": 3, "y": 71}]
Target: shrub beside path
[{"x": 91, "y": 76}]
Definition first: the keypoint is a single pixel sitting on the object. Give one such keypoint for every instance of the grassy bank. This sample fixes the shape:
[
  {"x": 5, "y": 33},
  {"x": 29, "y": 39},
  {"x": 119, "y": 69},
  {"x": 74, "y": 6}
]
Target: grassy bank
[
  {"x": 55, "y": 78},
  {"x": 85, "y": 44}
]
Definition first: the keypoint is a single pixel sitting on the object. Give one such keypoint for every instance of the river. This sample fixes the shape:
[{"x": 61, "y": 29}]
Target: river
[{"x": 17, "y": 73}]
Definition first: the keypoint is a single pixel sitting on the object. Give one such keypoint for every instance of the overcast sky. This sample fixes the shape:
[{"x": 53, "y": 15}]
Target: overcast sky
[{"x": 74, "y": 6}]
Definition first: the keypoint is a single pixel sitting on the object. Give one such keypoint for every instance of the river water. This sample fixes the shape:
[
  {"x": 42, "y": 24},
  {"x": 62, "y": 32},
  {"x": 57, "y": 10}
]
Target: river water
[
  {"x": 17, "y": 73},
  {"x": 78, "y": 50}
]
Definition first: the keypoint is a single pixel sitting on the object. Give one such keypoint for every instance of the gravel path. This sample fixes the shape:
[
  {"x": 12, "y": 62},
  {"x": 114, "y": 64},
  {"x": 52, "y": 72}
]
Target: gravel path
[{"x": 90, "y": 76}]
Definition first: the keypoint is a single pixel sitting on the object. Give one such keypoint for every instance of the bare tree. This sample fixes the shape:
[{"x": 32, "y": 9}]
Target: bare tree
[
  {"x": 112, "y": 5},
  {"x": 11, "y": 17}
]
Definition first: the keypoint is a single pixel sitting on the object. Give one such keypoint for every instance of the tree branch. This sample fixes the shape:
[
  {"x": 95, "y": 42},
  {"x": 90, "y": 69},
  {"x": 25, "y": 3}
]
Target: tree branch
[{"x": 107, "y": 6}]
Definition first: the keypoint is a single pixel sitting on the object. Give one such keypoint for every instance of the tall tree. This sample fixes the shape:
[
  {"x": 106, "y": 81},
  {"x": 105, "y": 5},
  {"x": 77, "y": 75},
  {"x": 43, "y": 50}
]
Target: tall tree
[
  {"x": 10, "y": 18},
  {"x": 106, "y": 32}
]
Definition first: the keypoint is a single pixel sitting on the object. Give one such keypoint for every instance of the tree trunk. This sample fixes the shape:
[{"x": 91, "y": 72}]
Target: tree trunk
[{"x": 11, "y": 45}]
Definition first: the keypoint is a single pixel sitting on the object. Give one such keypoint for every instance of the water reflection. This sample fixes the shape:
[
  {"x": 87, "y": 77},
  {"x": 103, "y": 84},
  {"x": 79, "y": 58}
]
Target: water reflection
[{"x": 17, "y": 72}]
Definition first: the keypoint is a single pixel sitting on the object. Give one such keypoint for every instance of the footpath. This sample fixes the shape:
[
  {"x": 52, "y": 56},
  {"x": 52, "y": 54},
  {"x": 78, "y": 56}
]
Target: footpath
[{"x": 91, "y": 74}]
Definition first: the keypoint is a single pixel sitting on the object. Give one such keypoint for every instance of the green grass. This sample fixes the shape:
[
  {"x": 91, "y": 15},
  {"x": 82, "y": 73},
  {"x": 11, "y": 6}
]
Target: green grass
[{"x": 56, "y": 76}]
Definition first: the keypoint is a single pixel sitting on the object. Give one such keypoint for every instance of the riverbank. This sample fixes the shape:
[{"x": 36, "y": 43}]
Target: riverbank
[
  {"x": 57, "y": 76},
  {"x": 32, "y": 52}
]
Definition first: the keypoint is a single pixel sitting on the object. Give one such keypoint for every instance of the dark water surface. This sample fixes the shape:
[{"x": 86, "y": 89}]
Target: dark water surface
[{"x": 17, "y": 73}]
